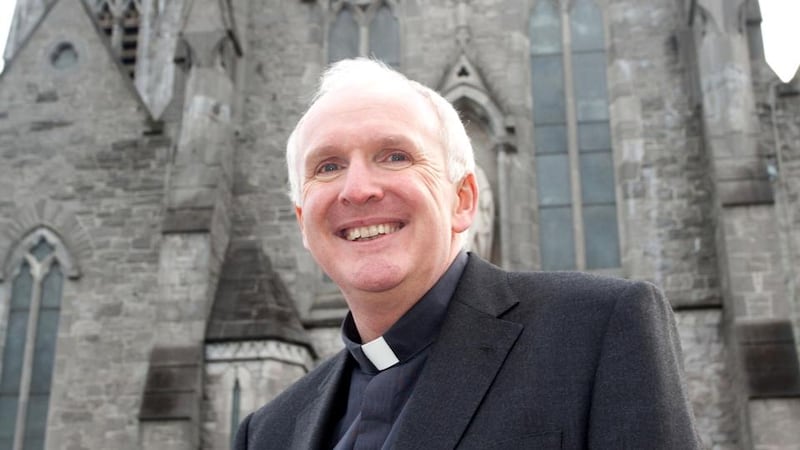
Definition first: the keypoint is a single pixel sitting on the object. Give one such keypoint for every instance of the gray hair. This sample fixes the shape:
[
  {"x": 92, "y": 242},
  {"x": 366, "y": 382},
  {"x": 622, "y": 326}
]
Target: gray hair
[{"x": 361, "y": 72}]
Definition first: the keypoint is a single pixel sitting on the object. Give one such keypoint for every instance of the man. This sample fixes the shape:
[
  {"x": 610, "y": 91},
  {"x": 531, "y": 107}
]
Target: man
[{"x": 444, "y": 350}]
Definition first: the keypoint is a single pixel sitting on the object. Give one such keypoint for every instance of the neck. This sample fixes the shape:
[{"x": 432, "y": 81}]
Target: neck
[{"x": 375, "y": 312}]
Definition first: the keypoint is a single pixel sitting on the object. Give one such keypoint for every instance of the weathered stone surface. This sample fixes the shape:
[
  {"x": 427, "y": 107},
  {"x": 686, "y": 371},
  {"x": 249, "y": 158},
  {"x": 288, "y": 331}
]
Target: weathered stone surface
[
  {"x": 769, "y": 358},
  {"x": 705, "y": 145},
  {"x": 709, "y": 377},
  {"x": 251, "y": 302},
  {"x": 775, "y": 423}
]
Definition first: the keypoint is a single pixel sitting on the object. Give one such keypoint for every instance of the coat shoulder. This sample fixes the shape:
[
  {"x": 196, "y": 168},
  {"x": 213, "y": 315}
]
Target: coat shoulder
[
  {"x": 280, "y": 412},
  {"x": 579, "y": 288}
]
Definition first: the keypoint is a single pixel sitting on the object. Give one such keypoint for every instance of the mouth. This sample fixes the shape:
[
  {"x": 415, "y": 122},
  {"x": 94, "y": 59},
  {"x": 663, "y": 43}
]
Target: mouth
[{"x": 367, "y": 233}]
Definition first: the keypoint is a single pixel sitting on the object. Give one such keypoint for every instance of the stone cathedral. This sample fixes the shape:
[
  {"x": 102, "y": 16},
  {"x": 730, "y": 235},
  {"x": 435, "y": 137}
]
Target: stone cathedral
[{"x": 153, "y": 285}]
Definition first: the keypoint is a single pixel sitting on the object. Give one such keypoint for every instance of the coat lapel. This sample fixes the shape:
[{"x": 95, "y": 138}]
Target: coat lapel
[
  {"x": 464, "y": 361},
  {"x": 314, "y": 421}
]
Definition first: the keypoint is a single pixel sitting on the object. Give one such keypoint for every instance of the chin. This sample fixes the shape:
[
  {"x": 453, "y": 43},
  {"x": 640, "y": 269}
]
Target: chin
[{"x": 371, "y": 277}]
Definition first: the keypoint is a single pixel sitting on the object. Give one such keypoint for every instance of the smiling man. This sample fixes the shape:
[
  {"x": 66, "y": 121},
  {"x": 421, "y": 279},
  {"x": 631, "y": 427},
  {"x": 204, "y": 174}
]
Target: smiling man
[{"x": 443, "y": 350}]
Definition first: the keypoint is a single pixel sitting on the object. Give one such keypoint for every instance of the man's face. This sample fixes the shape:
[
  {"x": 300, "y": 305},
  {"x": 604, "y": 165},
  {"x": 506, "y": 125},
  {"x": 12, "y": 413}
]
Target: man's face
[{"x": 378, "y": 211}]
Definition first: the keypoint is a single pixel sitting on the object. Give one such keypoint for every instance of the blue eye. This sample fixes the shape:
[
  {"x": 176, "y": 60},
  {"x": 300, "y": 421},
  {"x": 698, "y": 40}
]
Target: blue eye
[
  {"x": 398, "y": 157},
  {"x": 328, "y": 167},
  {"x": 395, "y": 160}
]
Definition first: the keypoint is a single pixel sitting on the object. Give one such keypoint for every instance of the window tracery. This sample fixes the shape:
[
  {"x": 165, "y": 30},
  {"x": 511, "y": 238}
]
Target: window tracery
[
  {"x": 30, "y": 318},
  {"x": 364, "y": 28},
  {"x": 120, "y": 21},
  {"x": 574, "y": 162}
]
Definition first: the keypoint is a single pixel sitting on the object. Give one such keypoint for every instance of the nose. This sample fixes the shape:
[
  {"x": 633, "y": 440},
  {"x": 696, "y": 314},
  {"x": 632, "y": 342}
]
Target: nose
[{"x": 361, "y": 184}]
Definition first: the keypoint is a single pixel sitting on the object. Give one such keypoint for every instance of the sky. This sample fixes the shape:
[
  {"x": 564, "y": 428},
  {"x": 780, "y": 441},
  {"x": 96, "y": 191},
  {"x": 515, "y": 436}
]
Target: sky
[{"x": 779, "y": 29}]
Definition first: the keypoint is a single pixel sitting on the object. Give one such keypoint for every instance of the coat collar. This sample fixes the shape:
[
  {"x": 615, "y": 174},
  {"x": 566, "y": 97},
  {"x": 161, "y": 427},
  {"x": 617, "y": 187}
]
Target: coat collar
[{"x": 473, "y": 343}]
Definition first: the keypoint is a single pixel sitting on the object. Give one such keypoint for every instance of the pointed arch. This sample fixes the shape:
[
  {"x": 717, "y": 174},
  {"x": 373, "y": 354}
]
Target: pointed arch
[
  {"x": 30, "y": 307},
  {"x": 44, "y": 217},
  {"x": 492, "y": 135},
  {"x": 364, "y": 28},
  {"x": 120, "y": 21},
  {"x": 463, "y": 83},
  {"x": 41, "y": 233}
]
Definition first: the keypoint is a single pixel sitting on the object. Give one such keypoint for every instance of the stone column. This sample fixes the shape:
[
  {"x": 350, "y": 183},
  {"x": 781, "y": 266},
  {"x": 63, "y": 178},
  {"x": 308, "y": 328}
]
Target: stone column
[
  {"x": 157, "y": 74},
  {"x": 754, "y": 293},
  {"x": 196, "y": 226}
]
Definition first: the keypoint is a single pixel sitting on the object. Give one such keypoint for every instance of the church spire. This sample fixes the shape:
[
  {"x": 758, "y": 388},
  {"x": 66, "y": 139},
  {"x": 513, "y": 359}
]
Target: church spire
[
  {"x": 27, "y": 14},
  {"x": 118, "y": 19}
]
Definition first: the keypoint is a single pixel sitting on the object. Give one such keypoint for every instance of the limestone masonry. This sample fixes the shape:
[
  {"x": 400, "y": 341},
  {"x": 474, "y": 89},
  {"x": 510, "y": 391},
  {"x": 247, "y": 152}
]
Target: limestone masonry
[{"x": 144, "y": 218}]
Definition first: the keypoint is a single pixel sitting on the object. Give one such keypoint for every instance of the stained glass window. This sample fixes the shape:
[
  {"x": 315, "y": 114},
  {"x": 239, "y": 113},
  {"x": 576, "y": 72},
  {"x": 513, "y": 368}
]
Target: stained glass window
[
  {"x": 364, "y": 28},
  {"x": 30, "y": 346},
  {"x": 574, "y": 160}
]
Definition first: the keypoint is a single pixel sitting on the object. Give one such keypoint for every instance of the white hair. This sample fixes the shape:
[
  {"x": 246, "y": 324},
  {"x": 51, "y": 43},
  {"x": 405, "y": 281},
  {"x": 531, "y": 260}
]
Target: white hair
[{"x": 364, "y": 72}]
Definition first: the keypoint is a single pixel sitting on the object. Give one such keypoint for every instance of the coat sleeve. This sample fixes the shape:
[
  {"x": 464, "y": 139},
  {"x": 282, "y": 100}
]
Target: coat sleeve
[{"x": 638, "y": 398}]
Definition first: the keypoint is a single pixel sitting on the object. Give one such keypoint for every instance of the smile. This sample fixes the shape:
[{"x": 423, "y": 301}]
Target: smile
[{"x": 370, "y": 232}]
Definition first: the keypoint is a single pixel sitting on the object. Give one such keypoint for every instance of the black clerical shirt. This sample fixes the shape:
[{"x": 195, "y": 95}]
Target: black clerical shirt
[{"x": 381, "y": 380}]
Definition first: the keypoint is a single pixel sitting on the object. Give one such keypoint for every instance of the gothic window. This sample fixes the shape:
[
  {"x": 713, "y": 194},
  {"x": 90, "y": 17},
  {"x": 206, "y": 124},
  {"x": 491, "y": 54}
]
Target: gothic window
[
  {"x": 29, "y": 345},
  {"x": 236, "y": 400},
  {"x": 574, "y": 164},
  {"x": 119, "y": 20},
  {"x": 364, "y": 28}
]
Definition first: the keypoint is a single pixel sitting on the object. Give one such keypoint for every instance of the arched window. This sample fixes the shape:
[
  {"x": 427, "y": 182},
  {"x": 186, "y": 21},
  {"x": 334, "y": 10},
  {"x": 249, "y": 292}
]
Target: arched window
[
  {"x": 364, "y": 28},
  {"x": 236, "y": 405},
  {"x": 31, "y": 316},
  {"x": 574, "y": 164},
  {"x": 344, "y": 35},
  {"x": 120, "y": 20}
]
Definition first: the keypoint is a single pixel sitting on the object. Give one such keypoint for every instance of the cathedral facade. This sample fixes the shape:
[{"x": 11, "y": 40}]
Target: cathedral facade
[{"x": 153, "y": 284}]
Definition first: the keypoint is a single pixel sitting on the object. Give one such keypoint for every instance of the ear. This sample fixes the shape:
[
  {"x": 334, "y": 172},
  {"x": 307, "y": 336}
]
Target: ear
[
  {"x": 298, "y": 212},
  {"x": 466, "y": 203}
]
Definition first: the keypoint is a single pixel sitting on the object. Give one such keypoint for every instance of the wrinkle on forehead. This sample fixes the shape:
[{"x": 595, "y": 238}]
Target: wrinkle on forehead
[{"x": 355, "y": 100}]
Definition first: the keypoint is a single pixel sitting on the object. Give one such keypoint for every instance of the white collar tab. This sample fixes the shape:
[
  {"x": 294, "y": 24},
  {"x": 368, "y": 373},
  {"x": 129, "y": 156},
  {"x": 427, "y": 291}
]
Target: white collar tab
[{"x": 380, "y": 354}]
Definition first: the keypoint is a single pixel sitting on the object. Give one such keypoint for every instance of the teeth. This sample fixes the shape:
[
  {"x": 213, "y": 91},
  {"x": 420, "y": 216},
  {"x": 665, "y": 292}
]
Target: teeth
[{"x": 371, "y": 231}]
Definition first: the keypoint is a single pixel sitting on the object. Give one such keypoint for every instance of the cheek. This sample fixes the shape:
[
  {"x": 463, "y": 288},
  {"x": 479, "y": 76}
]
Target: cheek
[{"x": 316, "y": 199}]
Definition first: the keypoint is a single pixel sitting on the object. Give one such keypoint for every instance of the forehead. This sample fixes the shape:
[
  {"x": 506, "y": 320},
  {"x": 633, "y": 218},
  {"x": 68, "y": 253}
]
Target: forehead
[{"x": 367, "y": 113}]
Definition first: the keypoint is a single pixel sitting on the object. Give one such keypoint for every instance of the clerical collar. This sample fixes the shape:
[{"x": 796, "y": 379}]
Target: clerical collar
[{"x": 413, "y": 332}]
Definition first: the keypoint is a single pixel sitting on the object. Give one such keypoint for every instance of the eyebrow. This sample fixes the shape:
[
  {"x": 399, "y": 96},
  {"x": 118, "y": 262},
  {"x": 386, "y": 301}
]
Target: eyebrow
[
  {"x": 396, "y": 139},
  {"x": 389, "y": 140}
]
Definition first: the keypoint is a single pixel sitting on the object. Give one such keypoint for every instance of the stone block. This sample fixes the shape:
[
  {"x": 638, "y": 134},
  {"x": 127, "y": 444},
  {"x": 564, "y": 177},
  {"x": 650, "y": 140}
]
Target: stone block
[
  {"x": 187, "y": 220},
  {"x": 769, "y": 358},
  {"x": 774, "y": 423},
  {"x": 48, "y": 125},
  {"x": 173, "y": 386},
  {"x": 745, "y": 192}
]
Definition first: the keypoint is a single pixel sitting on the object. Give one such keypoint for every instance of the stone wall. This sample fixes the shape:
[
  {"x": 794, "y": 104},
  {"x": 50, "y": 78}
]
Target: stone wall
[
  {"x": 262, "y": 370},
  {"x": 709, "y": 377},
  {"x": 80, "y": 154},
  {"x": 662, "y": 171},
  {"x": 787, "y": 129},
  {"x": 76, "y": 156}
]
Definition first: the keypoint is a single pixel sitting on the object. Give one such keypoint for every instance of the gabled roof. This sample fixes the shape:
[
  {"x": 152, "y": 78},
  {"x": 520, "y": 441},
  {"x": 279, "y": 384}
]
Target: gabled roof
[
  {"x": 251, "y": 302},
  {"x": 464, "y": 81},
  {"x": 68, "y": 19}
]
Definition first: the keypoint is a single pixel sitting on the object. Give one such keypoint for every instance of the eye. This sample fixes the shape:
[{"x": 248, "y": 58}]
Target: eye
[
  {"x": 396, "y": 159},
  {"x": 328, "y": 169}
]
